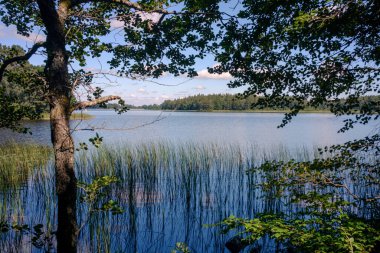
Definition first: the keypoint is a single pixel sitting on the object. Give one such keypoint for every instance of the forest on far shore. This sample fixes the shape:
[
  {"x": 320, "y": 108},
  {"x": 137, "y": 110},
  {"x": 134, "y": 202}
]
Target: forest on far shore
[{"x": 230, "y": 102}]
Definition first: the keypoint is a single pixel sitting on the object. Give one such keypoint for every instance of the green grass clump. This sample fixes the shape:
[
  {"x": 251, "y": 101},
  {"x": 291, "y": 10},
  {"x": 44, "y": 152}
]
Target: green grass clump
[
  {"x": 17, "y": 161},
  {"x": 74, "y": 116}
]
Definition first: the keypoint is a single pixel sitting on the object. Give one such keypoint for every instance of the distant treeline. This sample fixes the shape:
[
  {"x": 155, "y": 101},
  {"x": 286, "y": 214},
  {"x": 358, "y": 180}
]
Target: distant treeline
[
  {"x": 224, "y": 102},
  {"x": 213, "y": 102}
]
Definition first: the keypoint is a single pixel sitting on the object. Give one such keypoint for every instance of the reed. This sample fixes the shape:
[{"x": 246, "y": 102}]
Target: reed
[
  {"x": 168, "y": 190},
  {"x": 18, "y": 160},
  {"x": 74, "y": 116}
]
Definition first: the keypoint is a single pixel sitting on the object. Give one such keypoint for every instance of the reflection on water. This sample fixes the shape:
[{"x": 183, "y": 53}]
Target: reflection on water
[{"x": 169, "y": 192}]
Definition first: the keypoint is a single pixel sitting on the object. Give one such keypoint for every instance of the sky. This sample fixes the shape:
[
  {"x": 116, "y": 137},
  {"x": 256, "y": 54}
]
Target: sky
[{"x": 136, "y": 92}]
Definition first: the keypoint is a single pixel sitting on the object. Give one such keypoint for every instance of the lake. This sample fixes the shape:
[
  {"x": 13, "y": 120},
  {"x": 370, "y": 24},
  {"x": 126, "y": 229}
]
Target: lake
[
  {"x": 306, "y": 130},
  {"x": 178, "y": 172}
]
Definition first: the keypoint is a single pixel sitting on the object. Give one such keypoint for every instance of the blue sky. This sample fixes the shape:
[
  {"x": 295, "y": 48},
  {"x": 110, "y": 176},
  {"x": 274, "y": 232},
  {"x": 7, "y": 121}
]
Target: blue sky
[{"x": 136, "y": 92}]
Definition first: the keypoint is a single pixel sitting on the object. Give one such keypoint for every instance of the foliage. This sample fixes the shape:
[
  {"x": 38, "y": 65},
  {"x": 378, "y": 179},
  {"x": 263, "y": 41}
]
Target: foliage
[
  {"x": 209, "y": 103},
  {"x": 336, "y": 201},
  {"x": 231, "y": 102},
  {"x": 146, "y": 50},
  {"x": 21, "y": 91},
  {"x": 312, "y": 50},
  {"x": 97, "y": 140},
  {"x": 309, "y": 53},
  {"x": 315, "y": 234},
  {"x": 181, "y": 247},
  {"x": 94, "y": 195}
]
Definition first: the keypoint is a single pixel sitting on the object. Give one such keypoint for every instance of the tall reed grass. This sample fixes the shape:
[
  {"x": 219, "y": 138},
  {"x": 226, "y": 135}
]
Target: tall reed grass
[
  {"x": 168, "y": 190},
  {"x": 18, "y": 160}
]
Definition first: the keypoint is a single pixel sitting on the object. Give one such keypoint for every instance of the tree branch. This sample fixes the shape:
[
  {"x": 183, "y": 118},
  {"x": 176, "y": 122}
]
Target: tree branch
[
  {"x": 82, "y": 105},
  {"x": 25, "y": 57},
  {"x": 127, "y": 3}
]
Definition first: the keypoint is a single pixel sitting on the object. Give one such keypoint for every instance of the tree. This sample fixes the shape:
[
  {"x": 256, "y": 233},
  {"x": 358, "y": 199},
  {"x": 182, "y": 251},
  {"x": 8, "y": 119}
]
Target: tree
[
  {"x": 20, "y": 98},
  {"x": 294, "y": 51},
  {"x": 289, "y": 52},
  {"x": 76, "y": 29}
]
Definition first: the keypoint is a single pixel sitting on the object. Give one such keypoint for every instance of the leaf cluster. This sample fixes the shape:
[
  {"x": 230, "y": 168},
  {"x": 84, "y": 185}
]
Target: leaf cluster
[
  {"x": 330, "y": 204},
  {"x": 22, "y": 91},
  {"x": 95, "y": 195}
]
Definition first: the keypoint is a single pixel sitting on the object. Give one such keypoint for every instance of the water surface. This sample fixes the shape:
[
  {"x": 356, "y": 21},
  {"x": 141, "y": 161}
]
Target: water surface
[
  {"x": 178, "y": 172},
  {"x": 306, "y": 130}
]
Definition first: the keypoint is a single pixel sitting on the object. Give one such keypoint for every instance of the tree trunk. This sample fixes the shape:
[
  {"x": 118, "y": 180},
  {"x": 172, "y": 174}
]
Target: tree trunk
[
  {"x": 59, "y": 87},
  {"x": 66, "y": 182}
]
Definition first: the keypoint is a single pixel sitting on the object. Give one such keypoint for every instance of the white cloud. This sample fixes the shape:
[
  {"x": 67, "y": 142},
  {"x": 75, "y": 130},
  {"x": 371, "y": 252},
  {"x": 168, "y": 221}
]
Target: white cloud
[
  {"x": 154, "y": 17},
  {"x": 204, "y": 74},
  {"x": 114, "y": 23},
  {"x": 199, "y": 87},
  {"x": 11, "y": 33},
  {"x": 142, "y": 91},
  {"x": 165, "y": 96}
]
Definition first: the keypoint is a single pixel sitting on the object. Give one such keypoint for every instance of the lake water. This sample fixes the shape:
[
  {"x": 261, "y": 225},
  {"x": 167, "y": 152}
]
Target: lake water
[
  {"x": 178, "y": 172},
  {"x": 306, "y": 130}
]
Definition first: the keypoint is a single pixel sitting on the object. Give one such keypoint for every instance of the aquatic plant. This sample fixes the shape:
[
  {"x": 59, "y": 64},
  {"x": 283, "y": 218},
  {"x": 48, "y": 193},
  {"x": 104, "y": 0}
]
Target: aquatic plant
[
  {"x": 168, "y": 192},
  {"x": 18, "y": 160}
]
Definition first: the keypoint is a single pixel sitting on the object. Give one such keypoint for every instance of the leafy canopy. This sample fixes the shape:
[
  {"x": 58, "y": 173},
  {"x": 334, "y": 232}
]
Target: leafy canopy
[
  {"x": 295, "y": 54},
  {"x": 314, "y": 50},
  {"x": 151, "y": 39},
  {"x": 22, "y": 91}
]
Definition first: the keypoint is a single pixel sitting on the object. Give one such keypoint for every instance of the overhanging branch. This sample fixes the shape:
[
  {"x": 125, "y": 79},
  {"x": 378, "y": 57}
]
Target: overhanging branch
[
  {"x": 132, "y": 5},
  {"x": 25, "y": 57},
  {"x": 84, "y": 104}
]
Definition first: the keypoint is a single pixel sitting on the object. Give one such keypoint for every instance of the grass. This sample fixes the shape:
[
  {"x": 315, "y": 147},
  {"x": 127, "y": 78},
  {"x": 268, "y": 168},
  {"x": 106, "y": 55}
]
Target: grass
[
  {"x": 18, "y": 160},
  {"x": 74, "y": 116}
]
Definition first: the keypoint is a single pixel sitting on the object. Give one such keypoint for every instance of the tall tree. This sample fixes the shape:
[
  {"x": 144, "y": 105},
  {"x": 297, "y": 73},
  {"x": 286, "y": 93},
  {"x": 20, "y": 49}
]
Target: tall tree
[{"x": 157, "y": 38}]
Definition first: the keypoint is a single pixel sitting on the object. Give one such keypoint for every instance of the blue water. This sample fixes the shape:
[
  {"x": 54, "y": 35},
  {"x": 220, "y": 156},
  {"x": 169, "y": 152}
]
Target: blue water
[
  {"x": 306, "y": 130},
  {"x": 175, "y": 202}
]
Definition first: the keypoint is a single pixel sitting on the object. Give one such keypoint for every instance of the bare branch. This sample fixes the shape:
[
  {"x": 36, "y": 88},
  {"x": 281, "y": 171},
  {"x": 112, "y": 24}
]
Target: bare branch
[
  {"x": 103, "y": 127},
  {"x": 82, "y": 105},
  {"x": 25, "y": 57},
  {"x": 161, "y": 19}
]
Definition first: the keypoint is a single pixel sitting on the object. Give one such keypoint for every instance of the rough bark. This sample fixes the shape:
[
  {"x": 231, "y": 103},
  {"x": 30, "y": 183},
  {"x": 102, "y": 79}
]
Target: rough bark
[{"x": 56, "y": 72}]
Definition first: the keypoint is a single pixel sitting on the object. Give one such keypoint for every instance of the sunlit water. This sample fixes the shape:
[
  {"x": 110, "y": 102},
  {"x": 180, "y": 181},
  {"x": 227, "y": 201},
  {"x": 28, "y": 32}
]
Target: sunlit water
[
  {"x": 306, "y": 130},
  {"x": 178, "y": 171}
]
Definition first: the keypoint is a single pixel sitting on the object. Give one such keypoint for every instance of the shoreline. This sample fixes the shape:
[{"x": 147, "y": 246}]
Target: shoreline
[{"x": 75, "y": 116}]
